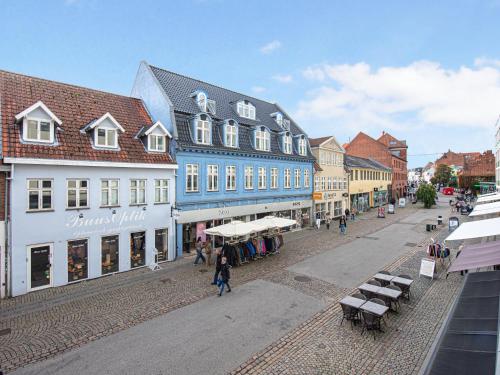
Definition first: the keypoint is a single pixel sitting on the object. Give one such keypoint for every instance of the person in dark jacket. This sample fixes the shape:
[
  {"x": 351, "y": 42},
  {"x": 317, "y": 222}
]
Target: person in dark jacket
[
  {"x": 347, "y": 212},
  {"x": 218, "y": 264},
  {"x": 199, "y": 252},
  {"x": 342, "y": 224},
  {"x": 224, "y": 277}
]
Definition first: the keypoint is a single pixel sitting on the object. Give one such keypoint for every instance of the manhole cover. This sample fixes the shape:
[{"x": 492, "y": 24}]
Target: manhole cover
[
  {"x": 302, "y": 279},
  {"x": 410, "y": 244},
  {"x": 203, "y": 270},
  {"x": 5, "y": 331}
]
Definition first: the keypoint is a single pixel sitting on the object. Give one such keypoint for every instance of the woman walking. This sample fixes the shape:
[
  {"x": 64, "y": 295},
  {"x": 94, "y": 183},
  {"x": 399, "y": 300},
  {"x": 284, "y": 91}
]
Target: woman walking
[
  {"x": 208, "y": 252},
  {"x": 342, "y": 224},
  {"x": 218, "y": 265},
  {"x": 199, "y": 252},
  {"x": 224, "y": 277},
  {"x": 328, "y": 220}
]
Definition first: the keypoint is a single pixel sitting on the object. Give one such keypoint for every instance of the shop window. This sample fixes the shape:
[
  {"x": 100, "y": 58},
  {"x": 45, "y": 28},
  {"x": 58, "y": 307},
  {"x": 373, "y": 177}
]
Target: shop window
[
  {"x": 161, "y": 244},
  {"x": 110, "y": 251},
  {"x": 137, "y": 192},
  {"x": 78, "y": 192},
  {"x": 161, "y": 191},
  {"x": 337, "y": 208},
  {"x": 137, "y": 249},
  {"x": 77, "y": 260},
  {"x": 39, "y": 194},
  {"x": 109, "y": 193}
]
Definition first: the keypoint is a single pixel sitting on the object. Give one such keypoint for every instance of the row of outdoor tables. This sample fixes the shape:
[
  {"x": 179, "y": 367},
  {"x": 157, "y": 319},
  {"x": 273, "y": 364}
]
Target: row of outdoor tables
[
  {"x": 392, "y": 278},
  {"x": 380, "y": 290},
  {"x": 357, "y": 303}
]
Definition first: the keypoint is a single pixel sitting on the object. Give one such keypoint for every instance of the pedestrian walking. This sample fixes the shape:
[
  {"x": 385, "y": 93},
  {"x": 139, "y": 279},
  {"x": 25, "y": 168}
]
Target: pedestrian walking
[
  {"x": 343, "y": 224},
  {"x": 199, "y": 251},
  {"x": 353, "y": 213},
  {"x": 328, "y": 221},
  {"x": 218, "y": 265},
  {"x": 347, "y": 213},
  {"x": 208, "y": 252},
  {"x": 318, "y": 220},
  {"x": 224, "y": 277}
]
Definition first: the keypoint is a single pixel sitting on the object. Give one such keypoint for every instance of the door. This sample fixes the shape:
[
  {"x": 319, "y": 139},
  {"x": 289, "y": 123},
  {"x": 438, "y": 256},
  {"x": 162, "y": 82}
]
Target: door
[{"x": 39, "y": 266}]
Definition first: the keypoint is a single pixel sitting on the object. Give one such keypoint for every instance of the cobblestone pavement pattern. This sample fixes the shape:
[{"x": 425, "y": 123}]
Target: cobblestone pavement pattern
[{"x": 53, "y": 321}]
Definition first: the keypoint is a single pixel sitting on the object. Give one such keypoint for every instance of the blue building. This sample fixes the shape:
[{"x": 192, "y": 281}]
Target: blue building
[{"x": 239, "y": 157}]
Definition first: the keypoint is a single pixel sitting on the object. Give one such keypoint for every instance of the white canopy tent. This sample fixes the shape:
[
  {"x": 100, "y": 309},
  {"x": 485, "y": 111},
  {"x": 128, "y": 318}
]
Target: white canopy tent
[
  {"x": 489, "y": 198},
  {"x": 241, "y": 228},
  {"x": 486, "y": 209},
  {"x": 476, "y": 229}
]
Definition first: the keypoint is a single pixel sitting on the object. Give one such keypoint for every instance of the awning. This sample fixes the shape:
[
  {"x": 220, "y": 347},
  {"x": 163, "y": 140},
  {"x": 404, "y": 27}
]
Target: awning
[
  {"x": 485, "y": 209},
  {"x": 241, "y": 228},
  {"x": 489, "y": 198},
  {"x": 476, "y": 229},
  {"x": 477, "y": 256}
]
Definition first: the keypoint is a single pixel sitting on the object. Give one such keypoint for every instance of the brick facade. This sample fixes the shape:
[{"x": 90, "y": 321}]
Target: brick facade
[
  {"x": 480, "y": 167},
  {"x": 457, "y": 159},
  {"x": 386, "y": 150}
]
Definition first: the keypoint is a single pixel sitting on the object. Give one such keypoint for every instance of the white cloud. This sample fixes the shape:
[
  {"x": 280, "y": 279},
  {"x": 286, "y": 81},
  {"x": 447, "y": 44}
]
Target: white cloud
[
  {"x": 283, "y": 78},
  {"x": 270, "y": 47},
  {"x": 258, "y": 89}
]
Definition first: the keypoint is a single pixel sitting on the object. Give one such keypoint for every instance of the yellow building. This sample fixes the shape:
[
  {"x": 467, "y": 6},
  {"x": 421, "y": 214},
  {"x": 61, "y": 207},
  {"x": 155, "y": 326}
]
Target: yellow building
[
  {"x": 369, "y": 182},
  {"x": 330, "y": 179}
]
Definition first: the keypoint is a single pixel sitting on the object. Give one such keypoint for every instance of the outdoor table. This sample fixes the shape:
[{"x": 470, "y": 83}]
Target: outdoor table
[
  {"x": 391, "y": 293},
  {"x": 381, "y": 276},
  {"x": 352, "y": 302},
  {"x": 369, "y": 287},
  {"x": 402, "y": 281},
  {"x": 374, "y": 308}
]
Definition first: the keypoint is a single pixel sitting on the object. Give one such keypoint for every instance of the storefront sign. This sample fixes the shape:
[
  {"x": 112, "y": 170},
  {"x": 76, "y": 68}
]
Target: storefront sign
[
  {"x": 427, "y": 268},
  {"x": 193, "y": 216},
  {"x": 317, "y": 196},
  {"x": 110, "y": 222}
]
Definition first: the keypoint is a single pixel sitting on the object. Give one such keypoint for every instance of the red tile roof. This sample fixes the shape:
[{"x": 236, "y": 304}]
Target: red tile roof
[{"x": 76, "y": 107}]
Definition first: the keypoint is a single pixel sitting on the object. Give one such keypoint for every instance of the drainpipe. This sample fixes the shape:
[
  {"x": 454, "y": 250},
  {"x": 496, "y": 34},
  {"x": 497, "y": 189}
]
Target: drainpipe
[{"x": 6, "y": 281}]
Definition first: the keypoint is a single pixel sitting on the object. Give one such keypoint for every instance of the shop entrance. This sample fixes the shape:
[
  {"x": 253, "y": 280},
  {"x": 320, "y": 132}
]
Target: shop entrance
[{"x": 39, "y": 266}]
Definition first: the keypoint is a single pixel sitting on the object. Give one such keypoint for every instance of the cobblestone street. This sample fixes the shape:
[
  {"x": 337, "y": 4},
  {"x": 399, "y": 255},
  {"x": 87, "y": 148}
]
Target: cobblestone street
[{"x": 41, "y": 325}]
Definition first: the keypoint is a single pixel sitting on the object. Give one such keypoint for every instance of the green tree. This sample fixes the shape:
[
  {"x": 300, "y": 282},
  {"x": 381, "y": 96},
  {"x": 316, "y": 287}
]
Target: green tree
[
  {"x": 443, "y": 174},
  {"x": 427, "y": 194}
]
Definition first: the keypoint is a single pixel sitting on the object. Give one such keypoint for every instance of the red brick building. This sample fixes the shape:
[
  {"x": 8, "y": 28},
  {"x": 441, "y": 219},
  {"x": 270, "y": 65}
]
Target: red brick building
[
  {"x": 457, "y": 159},
  {"x": 387, "y": 150},
  {"x": 477, "y": 168}
]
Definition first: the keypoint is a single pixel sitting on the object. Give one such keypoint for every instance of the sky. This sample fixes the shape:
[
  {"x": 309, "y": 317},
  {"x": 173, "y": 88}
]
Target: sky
[{"x": 425, "y": 71}]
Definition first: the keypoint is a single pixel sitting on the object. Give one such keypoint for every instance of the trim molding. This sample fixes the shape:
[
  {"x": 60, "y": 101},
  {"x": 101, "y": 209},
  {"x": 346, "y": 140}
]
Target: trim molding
[{"x": 87, "y": 163}]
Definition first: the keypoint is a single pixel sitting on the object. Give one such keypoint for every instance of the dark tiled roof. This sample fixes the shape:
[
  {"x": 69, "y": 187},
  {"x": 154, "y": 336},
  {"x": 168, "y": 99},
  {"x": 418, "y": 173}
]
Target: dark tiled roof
[
  {"x": 180, "y": 88},
  {"x": 357, "y": 162},
  {"x": 76, "y": 107},
  {"x": 185, "y": 139},
  {"x": 314, "y": 142}
]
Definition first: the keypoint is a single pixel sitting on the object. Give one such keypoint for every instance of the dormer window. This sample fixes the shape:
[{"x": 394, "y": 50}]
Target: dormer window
[
  {"x": 231, "y": 134},
  {"x": 105, "y": 131},
  {"x": 287, "y": 143},
  {"x": 202, "y": 130},
  {"x": 156, "y": 143},
  {"x": 262, "y": 139},
  {"x": 38, "y": 123},
  {"x": 302, "y": 146},
  {"x": 246, "y": 109},
  {"x": 106, "y": 137},
  {"x": 201, "y": 99},
  {"x": 154, "y": 137}
]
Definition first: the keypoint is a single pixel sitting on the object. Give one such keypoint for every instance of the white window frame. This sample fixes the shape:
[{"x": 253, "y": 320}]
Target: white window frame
[
  {"x": 193, "y": 170},
  {"x": 38, "y": 130},
  {"x": 201, "y": 100},
  {"x": 212, "y": 177},
  {"x": 287, "y": 144},
  {"x": 161, "y": 185},
  {"x": 78, "y": 191},
  {"x": 106, "y": 137},
  {"x": 297, "y": 178},
  {"x": 230, "y": 177},
  {"x": 287, "y": 178},
  {"x": 156, "y": 137},
  {"x": 306, "y": 178},
  {"x": 249, "y": 177},
  {"x": 274, "y": 178},
  {"x": 137, "y": 190},
  {"x": 262, "y": 178},
  {"x": 279, "y": 119},
  {"x": 331, "y": 183},
  {"x": 317, "y": 186},
  {"x": 202, "y": 127},
  {"x": 302, "y": 146},
  {"x": 262, "y": 140},
  {"x": 40, "y": 190},
  {"x": 109, "y": 190},
  {"x": 231, "y": 135},
  {"x": 323, "y": 183},
  {"x": 246, "y": 110}
]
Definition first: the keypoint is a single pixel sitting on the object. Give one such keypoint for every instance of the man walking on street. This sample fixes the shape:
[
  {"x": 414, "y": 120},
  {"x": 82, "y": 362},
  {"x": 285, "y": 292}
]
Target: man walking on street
[
  {"x": 347, "y": 214},
  {"x": 199, "y": 252},
  {"x": 318, "y": 220},
  {"x": 342, "y": 224},
  {"x": 224, "y": 277}
]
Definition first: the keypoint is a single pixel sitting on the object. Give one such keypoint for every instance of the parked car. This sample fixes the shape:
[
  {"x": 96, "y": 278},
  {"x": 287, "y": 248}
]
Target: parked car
[{"x": 448, "y": 191}]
